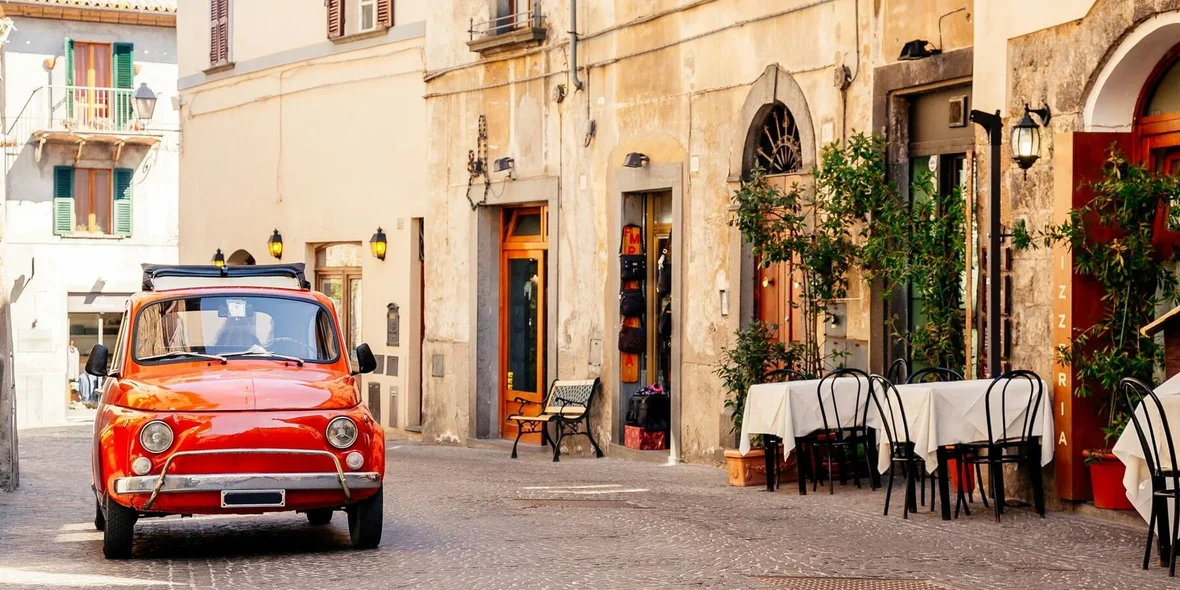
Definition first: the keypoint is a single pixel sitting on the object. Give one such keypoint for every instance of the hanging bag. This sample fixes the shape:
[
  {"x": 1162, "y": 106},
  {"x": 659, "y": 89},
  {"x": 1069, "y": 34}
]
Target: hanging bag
[
  {"x": 664, "y": 272},
  {"x": 632, "y": 303},
  {"x": 632, "y": 339},
  {"x": 633, "y": 267}
]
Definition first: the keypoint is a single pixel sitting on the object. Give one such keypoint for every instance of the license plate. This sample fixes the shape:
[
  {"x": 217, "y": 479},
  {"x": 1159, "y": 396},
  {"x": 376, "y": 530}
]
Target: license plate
[{"x": 253, "y": 498}]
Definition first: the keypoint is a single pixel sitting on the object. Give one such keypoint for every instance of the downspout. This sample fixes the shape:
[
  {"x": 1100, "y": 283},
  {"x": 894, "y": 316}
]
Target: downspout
[{"x": 574, "y": 45}]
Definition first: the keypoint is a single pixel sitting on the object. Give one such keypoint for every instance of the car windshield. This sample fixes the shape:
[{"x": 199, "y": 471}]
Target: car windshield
[{"x": 230, "y": 325}]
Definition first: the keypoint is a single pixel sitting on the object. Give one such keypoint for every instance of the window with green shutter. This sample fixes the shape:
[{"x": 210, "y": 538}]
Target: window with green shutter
[
  {"x": 63, "y": 200},
  {"x": 69, "y": 53},
  {"x": 123, "y": 201},
  {"x": 124, "y": 71}
]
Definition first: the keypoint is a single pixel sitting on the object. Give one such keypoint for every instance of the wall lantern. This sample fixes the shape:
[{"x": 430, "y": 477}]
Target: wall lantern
[
  {"x": 1026, "y": 136},
  {"x": 377, "y": 244},
  {"x": 218, "y": 259},
  {"x": 275, "y": 245},
  {"x": 145, "y": 103},
  {"x": 916, "y": 49},
  {"x": 506, "y": 164},
  {"x": 635, "y": 160}
]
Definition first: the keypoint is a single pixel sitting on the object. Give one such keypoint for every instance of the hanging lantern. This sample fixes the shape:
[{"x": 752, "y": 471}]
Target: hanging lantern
[
  {"x": 275, "y": 245},
  {"x": 1026, "y": 137},
  {"x": 378, "y": 243},
  {"x": 218, "y": 259}
]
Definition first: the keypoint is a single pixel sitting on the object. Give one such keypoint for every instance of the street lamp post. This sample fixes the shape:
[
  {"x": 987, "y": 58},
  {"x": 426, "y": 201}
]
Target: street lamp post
[{"x": 994, "y": 125}]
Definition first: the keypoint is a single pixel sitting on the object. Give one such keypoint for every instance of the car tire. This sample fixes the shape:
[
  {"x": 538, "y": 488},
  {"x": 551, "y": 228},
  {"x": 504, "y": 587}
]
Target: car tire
[
  {"x": 100, "y": 521},
  {"x": 320, "y": 516},
  {"x": 364, "y": 521},
  {"x": 119, "y": 530}
]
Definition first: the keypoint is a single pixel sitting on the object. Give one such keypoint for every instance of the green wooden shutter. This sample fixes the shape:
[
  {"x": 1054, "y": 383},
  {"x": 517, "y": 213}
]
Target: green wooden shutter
[
  {"x": 69, "y": 53},
  {"x": 124, "y": 72},
  {"x": 123, "y": 202},
  {"x": 63, "y": 200}
]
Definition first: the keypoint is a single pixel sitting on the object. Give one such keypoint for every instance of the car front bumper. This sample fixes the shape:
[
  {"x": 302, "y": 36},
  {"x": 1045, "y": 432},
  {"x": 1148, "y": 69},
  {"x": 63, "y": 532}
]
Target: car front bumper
[{"x": 218, "y": 482}]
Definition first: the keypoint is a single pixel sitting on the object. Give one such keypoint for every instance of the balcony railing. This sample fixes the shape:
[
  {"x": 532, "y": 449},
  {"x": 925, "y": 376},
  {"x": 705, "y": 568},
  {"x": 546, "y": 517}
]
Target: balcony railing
[
  {"x": 529, "y": 18},
  {"x": 76, "y": 114}
]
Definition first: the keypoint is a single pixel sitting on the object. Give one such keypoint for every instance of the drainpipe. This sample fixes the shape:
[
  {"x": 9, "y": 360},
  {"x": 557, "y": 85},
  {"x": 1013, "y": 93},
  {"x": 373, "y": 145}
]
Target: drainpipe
[{"x": 574, "y": 45}]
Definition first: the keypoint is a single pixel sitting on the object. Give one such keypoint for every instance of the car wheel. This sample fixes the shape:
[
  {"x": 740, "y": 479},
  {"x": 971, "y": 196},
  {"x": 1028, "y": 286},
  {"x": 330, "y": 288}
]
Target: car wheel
[
  {"x": 100, "y": 521},
  {"x": 319, "y": 517},
  {"x": 364, "y": 521},
  {"x": 119, "y": 530}
]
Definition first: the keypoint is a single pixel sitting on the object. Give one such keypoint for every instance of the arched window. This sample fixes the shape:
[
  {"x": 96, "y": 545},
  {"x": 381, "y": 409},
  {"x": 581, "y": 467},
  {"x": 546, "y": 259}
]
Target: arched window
[
  {"x": 775, "y": 142},
  {"x": 240, "y": 258}
]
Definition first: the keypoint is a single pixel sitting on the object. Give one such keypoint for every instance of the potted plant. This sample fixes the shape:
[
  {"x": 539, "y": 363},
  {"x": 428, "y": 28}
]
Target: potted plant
[
  {"x": 753, "y": 355},
  {"x": 1112, "y": 239}
]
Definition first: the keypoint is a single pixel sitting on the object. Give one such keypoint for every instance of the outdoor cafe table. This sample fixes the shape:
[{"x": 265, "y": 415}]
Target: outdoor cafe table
[
  {"x": 940, "y": 414},
  {"x": 1137, "y": 479},
  {"x": 790, "y": 411}
]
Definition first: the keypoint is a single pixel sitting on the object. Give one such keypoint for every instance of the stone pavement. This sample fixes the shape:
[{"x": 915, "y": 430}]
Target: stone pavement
[{"x": 468, "y": 518}]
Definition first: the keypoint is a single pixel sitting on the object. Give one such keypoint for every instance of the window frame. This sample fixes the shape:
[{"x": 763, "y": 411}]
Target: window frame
[
  {"x": 361, "y": 5},
  {"x": 227, "y": 59},
  {"x": 90, "y": 184},
  {"x": 133, "y": 355}
]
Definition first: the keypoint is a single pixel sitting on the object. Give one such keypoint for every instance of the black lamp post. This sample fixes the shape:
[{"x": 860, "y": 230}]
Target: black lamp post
[
  {"x": 994, "y": 125},
  {"x": 275, "y": 245},
  {"x": 145, "y": 103}
]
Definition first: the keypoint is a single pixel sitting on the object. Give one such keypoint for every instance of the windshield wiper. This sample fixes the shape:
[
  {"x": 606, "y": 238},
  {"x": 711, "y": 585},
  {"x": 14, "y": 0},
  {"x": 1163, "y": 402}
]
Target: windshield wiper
[
  {"x": 184, "y": 353},
  {"x": 266, "y": 354}
]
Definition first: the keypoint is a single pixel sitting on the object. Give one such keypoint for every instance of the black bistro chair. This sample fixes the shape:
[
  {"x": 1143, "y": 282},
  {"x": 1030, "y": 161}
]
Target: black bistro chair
[
  {"x": 783, "y": 375},
  {"x": 930, "y": 374},
  {"x": 901, "y": 450},
  {"x": 898, "y": 371},
  {"x": 1004, "y": 446},
  {"x": 1161, "y": 463},
  {"x": 836, "y": 439}
]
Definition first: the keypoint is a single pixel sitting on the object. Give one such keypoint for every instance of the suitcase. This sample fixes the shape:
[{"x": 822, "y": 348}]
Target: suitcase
[
  {"x": 635, "y": 437},
  {"x": 649, "y": 412}
]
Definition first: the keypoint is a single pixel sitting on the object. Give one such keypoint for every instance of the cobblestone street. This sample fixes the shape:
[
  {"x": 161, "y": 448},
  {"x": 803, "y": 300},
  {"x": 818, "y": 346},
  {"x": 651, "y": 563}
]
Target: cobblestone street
[{"x": 470, "y": 518}]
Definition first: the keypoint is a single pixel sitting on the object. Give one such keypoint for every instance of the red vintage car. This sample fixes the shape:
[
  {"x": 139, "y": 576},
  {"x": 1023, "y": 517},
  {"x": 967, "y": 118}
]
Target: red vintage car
[{"x": 229, "y": 392}]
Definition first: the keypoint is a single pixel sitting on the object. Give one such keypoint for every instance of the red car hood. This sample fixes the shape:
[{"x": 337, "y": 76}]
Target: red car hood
[{"x": 227, "y": 389}]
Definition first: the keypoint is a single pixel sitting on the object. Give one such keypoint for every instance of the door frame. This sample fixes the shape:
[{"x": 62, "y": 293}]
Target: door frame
[
  {"x": 651, "y": 178},
  {"x": 345, "y": 274},
  {"x": 515, "y": 247}
]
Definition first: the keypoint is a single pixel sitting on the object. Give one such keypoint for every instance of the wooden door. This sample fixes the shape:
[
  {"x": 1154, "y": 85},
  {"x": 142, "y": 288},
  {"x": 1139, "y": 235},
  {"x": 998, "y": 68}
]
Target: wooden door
[{"x": 522, "y": 315}]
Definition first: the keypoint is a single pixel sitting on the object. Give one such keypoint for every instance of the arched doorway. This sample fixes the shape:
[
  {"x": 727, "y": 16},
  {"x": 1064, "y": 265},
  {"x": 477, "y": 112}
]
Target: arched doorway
[
  {"x": 1156, "y": 124},
  {"x": 240, "y": 258},
  {"x": 774, "y": 148},
  {"x": 779, "y": 140}
]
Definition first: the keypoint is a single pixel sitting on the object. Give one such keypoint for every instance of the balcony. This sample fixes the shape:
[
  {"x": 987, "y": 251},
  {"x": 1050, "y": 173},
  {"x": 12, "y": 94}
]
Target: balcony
[
  {"x": 78, "y": 115},
  {"x": 507, "y": 32}
]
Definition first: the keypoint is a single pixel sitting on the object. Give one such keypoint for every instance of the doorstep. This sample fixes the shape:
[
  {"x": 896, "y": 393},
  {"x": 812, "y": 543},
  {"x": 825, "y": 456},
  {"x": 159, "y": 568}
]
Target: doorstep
[{"x": 1127, "y": 518}]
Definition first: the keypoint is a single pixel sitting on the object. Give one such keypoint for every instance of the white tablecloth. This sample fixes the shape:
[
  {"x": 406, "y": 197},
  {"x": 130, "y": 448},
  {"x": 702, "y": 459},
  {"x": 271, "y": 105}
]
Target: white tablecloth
[
  {"x": 946, "y": 413},
  {"x": 1137, "y": 479},
  {"x": 791, "y": 409}
]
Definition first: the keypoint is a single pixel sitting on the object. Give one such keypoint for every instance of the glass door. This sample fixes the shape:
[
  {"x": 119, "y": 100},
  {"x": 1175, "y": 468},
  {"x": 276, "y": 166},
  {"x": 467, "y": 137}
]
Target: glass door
[
  {"x": 522, "y": 316},
  {"x": 338, "y": 275}
]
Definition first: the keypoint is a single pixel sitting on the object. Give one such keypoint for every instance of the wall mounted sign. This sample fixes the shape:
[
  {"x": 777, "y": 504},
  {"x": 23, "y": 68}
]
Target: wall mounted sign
[{"x": 393, "y": 325}]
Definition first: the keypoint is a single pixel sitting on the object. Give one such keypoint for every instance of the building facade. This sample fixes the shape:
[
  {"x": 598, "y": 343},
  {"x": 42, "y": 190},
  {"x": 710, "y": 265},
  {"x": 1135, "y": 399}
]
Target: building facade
[
  {"x": 630, "y": 137},
  {"x": 90, "y": 183},
  {"x": 312, "y": 125}
]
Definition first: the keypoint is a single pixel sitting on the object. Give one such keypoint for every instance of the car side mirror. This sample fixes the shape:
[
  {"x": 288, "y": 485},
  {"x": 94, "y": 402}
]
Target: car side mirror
[
  {"x": 96, "y": 364},
  {"x": 366, "y": 362}
]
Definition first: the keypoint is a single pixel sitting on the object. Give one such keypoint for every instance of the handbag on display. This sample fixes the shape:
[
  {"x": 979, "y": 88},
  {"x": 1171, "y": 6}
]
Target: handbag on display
[
  {"x": 632, "y": 303},
  {"x": 632, "y": 339},
  {"x": 633, "y": 267},
  {"x": 664, "y": 270}
]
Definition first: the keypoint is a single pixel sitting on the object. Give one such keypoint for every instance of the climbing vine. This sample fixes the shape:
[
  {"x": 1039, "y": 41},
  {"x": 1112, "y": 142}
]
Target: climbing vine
[
  {"x": 1112, "y": 239},
  {"x": 853, "y": 217}
]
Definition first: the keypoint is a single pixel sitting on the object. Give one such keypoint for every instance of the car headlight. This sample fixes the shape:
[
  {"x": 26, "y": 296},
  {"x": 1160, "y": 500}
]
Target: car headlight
[
  {"x": 341, "y": 432},
  {"x": 156, "y": 437}
]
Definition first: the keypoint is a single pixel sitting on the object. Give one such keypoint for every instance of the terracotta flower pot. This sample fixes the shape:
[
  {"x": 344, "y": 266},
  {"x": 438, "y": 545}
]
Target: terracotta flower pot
[
  {"x": 746, "y": 470},
  {"x": 1106, "y": 481}
]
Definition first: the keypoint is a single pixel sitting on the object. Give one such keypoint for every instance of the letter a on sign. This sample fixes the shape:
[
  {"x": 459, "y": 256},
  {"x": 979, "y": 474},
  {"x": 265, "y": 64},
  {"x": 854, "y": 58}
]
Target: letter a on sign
[{"x": 1061, "y": 440}]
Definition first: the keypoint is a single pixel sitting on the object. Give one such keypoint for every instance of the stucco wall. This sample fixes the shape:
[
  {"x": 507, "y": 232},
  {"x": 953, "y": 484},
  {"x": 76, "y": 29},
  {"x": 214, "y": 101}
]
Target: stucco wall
[
  {"x": 324, "y": 150},
  {"x": 74, "y": 264},
  {"x": 656, "y": 83}
]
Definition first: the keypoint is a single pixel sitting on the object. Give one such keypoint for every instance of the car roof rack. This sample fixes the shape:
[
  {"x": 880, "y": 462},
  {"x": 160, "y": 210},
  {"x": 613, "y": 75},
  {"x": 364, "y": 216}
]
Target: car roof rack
[{"x": 159, "y": 277}]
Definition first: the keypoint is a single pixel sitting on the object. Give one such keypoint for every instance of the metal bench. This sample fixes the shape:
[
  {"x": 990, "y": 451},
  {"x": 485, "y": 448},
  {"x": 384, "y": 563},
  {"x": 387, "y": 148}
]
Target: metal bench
[{"x": 567, "y": 406}]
